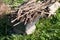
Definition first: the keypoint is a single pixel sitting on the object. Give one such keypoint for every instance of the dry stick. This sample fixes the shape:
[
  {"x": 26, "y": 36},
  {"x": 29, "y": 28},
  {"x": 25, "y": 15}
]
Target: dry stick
[
  {"x": 42, "y": 13},
  {"x": 29, "y": 8},
  {"x": 19, "y": 13},
  {"x": 28, "y": 16},
  {"x": 16, "y": 23},
  {"x": 19, "y": 22},
  {"x": 29, "y": 3},
  {"x": 25, "y": 21},
  {"x": 33, "y": 18}
]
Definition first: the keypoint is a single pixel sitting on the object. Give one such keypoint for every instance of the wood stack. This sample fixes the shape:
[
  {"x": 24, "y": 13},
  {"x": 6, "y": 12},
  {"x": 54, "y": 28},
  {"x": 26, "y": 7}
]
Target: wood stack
[{"x": 29, "y": 11}]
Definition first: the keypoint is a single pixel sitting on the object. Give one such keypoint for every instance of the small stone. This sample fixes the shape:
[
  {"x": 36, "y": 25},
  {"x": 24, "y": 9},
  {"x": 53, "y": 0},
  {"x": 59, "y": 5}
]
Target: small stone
[{"x": 30, "y": 28}]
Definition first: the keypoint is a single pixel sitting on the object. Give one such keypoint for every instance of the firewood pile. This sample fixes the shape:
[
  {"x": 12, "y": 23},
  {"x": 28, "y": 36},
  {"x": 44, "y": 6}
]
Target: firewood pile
[{"x": 29, "y": 11}]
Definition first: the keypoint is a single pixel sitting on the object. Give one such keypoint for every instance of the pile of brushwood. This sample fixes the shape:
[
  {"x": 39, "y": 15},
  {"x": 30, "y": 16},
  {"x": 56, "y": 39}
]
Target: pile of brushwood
[{"x": 30, "y": 10}]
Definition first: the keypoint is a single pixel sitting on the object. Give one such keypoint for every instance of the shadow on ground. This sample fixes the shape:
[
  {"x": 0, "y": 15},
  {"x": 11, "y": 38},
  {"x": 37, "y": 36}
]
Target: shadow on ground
[{"x": 6, "y": 28}]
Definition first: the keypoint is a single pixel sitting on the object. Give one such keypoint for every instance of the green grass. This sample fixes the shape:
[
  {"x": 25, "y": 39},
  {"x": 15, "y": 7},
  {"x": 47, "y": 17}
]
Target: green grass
[
  {"x": 13, "y": 2},
  {"x": 46, "y": 29}
]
